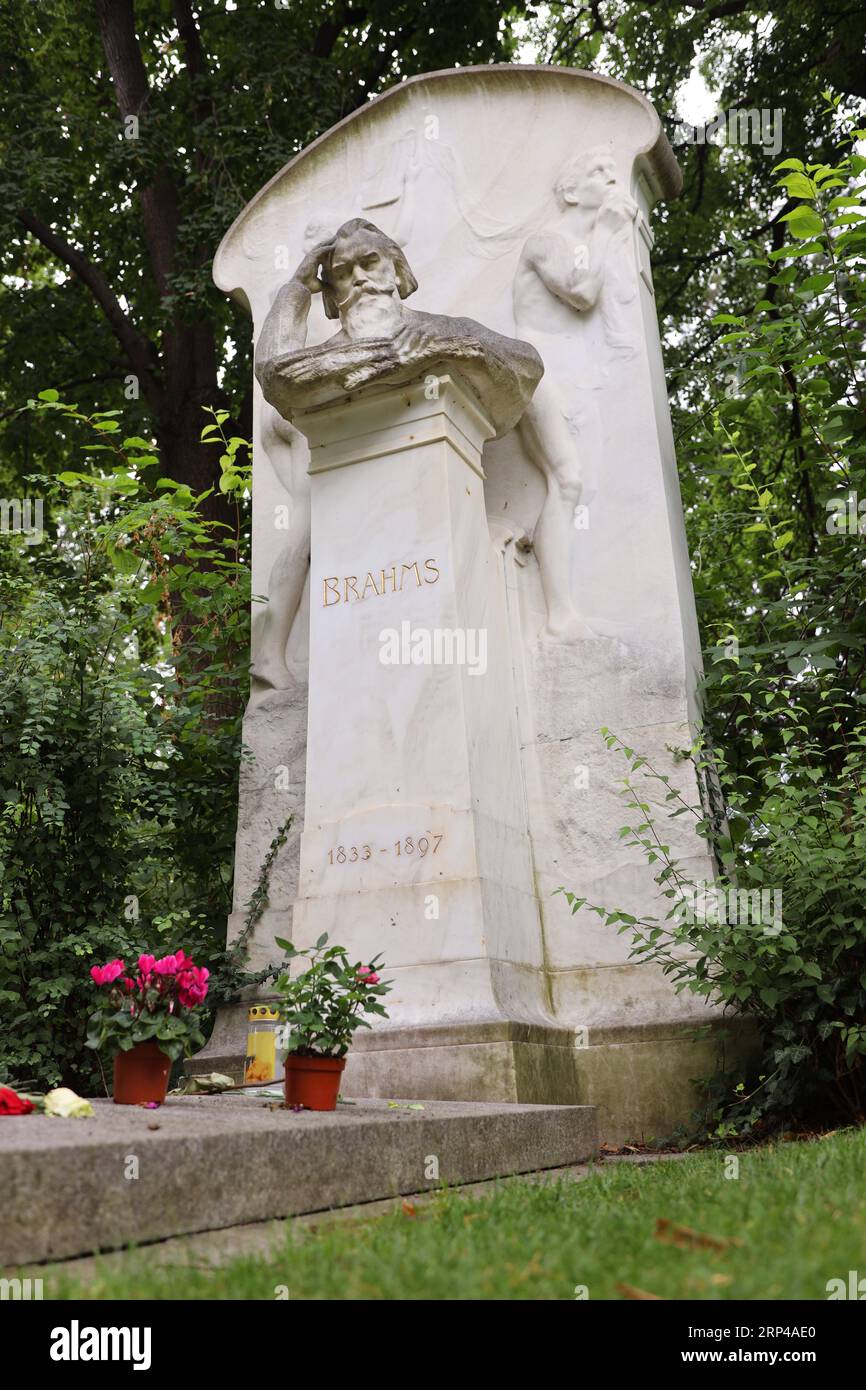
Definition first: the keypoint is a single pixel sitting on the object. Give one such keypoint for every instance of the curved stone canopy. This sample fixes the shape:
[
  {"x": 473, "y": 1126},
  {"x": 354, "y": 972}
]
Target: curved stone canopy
[{"x": 494, "y": 172}]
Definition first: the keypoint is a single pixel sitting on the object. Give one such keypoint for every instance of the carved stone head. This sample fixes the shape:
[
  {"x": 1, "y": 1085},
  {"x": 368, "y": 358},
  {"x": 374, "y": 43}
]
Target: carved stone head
[
  {"x": 587, "y": 178},
  {"x": 363, "y": 262}
]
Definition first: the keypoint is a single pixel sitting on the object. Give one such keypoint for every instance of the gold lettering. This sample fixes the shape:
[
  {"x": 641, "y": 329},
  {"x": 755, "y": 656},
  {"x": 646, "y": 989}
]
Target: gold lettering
[
  {"x": 367, "y": 582},
  {"x": 417, "y": 575},
  {"x": 339, "y": 590}
]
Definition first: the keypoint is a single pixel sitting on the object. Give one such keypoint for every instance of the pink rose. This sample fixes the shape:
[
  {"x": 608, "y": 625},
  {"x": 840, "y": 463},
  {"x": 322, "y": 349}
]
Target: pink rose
[{"x": 367, "y": 976}]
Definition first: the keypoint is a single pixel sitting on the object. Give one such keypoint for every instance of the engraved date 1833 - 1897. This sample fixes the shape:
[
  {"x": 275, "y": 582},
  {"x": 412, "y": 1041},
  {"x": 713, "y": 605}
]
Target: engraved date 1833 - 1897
[{"x": 401, "y": 849}]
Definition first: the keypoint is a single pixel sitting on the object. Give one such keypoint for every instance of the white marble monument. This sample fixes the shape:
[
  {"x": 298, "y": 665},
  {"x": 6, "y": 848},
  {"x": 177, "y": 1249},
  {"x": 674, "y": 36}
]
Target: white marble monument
[{"x": 414, "y": 477}]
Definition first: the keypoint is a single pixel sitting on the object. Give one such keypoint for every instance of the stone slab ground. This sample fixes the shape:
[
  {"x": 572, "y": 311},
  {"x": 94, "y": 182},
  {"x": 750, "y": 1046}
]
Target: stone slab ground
[
  {"x": 208, "y": 1162},
  {"x": 267, "y": 1239}
]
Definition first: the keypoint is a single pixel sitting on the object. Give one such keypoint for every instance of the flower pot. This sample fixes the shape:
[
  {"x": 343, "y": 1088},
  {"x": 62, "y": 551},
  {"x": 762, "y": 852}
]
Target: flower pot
[
  {"x": 141, "y": 1075},
  {"x": 313, "y": 1081}
]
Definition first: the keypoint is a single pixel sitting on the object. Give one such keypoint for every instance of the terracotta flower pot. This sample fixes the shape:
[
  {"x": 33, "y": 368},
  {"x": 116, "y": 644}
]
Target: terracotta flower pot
[
  {"x": 313, "y": 1082},
  {"x": 141, "y": 1075}
]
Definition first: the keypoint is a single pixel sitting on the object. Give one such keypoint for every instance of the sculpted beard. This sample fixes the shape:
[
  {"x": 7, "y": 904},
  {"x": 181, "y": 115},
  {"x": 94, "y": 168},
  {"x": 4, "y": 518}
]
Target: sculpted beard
[
  {"x": 359, "y": 296},
  {"x": 370, "y": 309}
]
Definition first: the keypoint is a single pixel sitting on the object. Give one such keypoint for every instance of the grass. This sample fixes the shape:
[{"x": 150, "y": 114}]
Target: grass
[{"x": 793, "y": 1219}]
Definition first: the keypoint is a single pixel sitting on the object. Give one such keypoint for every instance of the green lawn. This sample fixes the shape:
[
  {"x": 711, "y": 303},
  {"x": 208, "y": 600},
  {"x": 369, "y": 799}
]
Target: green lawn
[{"x": 797, "y": 1211}]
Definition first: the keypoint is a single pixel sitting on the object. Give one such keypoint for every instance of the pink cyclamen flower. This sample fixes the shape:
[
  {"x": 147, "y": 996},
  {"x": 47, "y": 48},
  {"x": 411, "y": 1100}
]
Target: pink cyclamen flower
[
  {"x": 146, "y": 964},
  {"x": 367, "y": 976},
  {"x": 192, "y": 986},
  {"x": 107, "y": 974},
  {"x": 166, "y": 966}
]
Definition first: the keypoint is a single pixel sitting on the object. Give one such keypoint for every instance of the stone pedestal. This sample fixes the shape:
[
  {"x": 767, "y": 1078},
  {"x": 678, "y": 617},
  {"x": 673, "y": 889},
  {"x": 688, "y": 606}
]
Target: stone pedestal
[{"x": 415, "y": 841}]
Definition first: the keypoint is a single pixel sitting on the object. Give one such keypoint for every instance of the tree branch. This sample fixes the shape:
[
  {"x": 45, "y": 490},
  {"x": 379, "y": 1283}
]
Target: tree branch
[
  {"x": 330, "y": 29},
  {"x": 159, "y": 197},
  {"x": 137, "y": 348},
  {"x": 196, "y": 63}
]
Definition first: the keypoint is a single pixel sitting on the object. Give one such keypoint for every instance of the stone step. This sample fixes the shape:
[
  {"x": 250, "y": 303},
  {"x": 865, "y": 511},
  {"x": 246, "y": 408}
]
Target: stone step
[{"x": 207, "y": 1162}]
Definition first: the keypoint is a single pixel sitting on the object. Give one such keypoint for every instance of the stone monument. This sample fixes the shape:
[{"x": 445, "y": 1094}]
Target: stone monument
[{"x": 469, "y": 568}]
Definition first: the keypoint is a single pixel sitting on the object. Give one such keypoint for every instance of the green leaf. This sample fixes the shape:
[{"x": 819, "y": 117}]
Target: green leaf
[
  {"x": 804, "y": 222},
  {"x": 798, "y": 185}
]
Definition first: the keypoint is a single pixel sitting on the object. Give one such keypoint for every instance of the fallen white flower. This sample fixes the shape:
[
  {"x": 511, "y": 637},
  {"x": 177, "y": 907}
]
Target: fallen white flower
[{"x": 64, "y": 1104}]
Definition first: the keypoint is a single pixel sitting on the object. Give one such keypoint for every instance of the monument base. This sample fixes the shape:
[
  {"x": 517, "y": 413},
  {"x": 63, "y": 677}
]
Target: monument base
[
  {"x": 500, "y": 1061},
  {"x": 643, "y": 1080}
]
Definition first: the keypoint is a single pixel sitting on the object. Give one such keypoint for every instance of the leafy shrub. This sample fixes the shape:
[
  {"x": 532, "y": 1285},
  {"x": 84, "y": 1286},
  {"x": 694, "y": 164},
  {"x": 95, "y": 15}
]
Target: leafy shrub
[
  {"x": 120, "y": 745},
  {"x": 779, "y": 937}
]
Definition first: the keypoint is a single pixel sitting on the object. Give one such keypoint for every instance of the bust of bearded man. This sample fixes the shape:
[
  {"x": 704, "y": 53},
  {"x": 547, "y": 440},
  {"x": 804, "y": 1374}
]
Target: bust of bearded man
[{"x": 363, "y": 277}]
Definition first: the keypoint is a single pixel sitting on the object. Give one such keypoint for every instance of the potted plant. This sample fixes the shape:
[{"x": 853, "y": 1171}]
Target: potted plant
[
  {"x": 320, "y": 1010},
  {"x": 151, "y": 1017}
]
